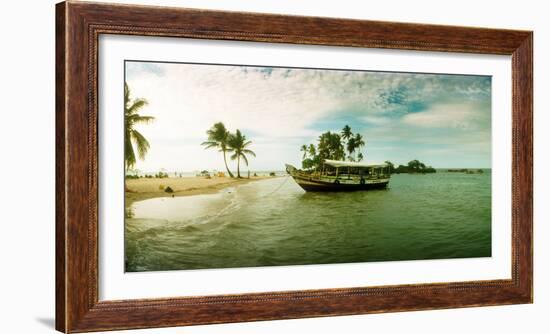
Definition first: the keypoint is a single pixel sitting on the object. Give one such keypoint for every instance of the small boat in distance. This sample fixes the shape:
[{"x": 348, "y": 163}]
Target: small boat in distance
[{"x": 335, "y": 175}]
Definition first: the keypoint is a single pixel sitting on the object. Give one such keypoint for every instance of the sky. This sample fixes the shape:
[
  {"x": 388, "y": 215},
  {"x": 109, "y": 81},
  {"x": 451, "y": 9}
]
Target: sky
[{"x": 442, "y": 120}]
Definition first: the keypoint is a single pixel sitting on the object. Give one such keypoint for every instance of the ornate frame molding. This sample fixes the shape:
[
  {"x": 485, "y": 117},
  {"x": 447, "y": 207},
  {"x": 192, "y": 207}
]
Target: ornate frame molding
[{"x": 78, "y": 27}]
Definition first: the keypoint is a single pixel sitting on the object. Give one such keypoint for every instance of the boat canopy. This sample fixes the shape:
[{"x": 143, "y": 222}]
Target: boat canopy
[{"x": 338, "y": 163}]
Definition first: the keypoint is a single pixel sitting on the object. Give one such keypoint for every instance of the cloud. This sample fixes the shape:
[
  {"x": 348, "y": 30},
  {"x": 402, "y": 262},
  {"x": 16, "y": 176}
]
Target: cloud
[
  {"x": 465, "y": 115},
  {"x": 282, "y": 108},
  {"x": 134, "y": 69},
  {"x": 376, "y": 120}
]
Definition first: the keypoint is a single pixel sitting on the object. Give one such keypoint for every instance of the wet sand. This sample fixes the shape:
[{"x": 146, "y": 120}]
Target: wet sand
[{"x": 145, "y": 188}]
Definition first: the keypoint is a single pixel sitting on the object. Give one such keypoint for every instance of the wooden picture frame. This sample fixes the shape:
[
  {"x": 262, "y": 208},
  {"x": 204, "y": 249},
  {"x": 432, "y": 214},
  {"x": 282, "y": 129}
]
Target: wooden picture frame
[{"x": 78, "y": 26}]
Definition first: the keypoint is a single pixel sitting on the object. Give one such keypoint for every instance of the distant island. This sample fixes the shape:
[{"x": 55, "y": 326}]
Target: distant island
[
  {"x": 413, "y": 167},
  {"x": 466, "y": 170}
]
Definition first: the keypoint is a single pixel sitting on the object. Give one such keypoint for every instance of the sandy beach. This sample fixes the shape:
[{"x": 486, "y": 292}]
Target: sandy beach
[{"x": 145, "y": 188}]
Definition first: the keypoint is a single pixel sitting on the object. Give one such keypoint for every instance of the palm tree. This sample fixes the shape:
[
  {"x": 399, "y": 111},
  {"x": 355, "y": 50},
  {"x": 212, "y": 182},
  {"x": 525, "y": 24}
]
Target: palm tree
[
  {"x": 132, "y": 136},
  {"x": 360, "y": 156},
  {"x": 311, "y": 151},
  {"x": 304, "y": 149},
  {"x": 239, "y": 145},
  {"x": 313, "y": 157},
  {"x": 351, "y": 146},
  {"x": 347, "y": 135},
  {"x": 217, "y": 138},
  {"x": 358, "y": 141},
  {"x": 346, "y": 132}
]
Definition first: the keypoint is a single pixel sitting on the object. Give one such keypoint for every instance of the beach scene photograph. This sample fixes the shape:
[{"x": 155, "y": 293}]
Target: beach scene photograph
[{"x": 231, "y": 166}]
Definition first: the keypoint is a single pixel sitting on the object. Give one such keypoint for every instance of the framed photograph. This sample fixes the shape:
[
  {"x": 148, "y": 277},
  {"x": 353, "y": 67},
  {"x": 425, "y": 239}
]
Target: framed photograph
[{"x": 223, "y": 167}]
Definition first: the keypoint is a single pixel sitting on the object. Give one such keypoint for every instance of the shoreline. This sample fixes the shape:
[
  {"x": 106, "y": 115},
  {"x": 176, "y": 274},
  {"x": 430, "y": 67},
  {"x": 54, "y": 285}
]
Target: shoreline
[{"x": 146, "y": 188}]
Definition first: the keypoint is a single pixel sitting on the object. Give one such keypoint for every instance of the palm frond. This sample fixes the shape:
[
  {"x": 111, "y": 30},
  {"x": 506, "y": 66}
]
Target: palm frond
[
  {"x": 141, "y": 143},
  {"x": 141, "y": 119},
  {"x": 136, "y": 105},
  {"x": 126, "y": 95},
  {"x": 245, "y": 159},
  {"x": 210, "y": 144},
  {"x": 218, "y": 133},
  {"x": 138, "y": 119},
  {"x": 226, "y": 149},
  {"x": 249, "y": 152},
  {"x": 129, "y": 154}
]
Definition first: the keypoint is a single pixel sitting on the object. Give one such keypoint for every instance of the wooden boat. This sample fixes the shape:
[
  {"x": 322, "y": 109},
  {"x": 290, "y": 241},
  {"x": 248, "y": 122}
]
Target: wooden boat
[{"x": 337, "y": 175}]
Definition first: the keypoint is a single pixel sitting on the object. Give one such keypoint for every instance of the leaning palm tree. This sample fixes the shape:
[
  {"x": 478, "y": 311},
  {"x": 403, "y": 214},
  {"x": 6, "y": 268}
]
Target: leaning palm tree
[
  {"x": 239, "y": 145},
  {"x": 217, "y": 138},
  {"x": 132, "y": 136}
]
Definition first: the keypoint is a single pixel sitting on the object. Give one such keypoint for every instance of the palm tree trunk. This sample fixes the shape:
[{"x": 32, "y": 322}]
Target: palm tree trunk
[
  {"x": 125, "y": 185},
  {"x": 225, "y": 161},
  {"x": 238, "y": 166}
]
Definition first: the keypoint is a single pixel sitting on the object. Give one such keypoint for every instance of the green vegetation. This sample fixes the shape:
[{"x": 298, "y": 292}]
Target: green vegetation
[
  {"x": 413, "y": 167},
  {"x": 333, "y": 146},
  {"x": 465, "y": 170},
  {"x": 391, "y": 166},
  {"x": 161, "y": 175},
  {"x": 219, "y": 137},
  {"x": 353, "y": 145},
  {"x": 132, "y": 136},
  {"x": 310, "y": 158}
]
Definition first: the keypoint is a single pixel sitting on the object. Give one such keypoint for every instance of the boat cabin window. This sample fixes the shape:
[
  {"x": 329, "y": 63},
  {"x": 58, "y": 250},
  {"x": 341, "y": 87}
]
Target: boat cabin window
[{"x": 344, "y": 171}]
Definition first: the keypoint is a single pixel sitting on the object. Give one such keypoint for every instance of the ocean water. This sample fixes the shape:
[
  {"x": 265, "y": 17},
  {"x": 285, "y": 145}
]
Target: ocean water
[{"x": 274, "y": 222}]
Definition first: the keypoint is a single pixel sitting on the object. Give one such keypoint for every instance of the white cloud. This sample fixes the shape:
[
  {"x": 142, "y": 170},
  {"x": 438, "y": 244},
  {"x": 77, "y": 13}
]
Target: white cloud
[
  {"x": 376, "y": 120},
  {"x": 466, "y": 115},
  {"x": 277, "y": 109}
]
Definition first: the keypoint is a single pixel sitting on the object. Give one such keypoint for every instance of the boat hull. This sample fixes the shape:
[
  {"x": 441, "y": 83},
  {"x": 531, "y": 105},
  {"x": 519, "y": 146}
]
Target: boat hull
[
  {"x": 328, "y": 187},
  {"x": 312, "y": 183}
]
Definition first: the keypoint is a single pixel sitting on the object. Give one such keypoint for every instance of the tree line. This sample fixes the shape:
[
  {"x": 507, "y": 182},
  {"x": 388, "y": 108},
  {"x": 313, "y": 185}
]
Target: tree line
[
  {"x": 414, "y": 166},
  {"x": 345, "y": 146}
]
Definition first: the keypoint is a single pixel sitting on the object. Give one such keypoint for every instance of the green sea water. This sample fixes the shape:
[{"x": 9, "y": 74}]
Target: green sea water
[{"x": 274, "y": 222}]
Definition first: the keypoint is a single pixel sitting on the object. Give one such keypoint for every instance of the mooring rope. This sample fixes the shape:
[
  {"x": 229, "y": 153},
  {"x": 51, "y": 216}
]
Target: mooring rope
[{"x": 278, "y": 187}]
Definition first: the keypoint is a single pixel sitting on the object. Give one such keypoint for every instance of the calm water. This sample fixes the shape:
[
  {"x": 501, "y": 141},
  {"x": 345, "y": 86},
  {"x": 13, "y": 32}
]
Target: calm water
[{"x": 273, "y": 222}]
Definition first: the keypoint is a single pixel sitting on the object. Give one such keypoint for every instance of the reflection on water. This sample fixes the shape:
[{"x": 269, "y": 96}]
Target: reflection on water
[{"x": 273, "y": 222}]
